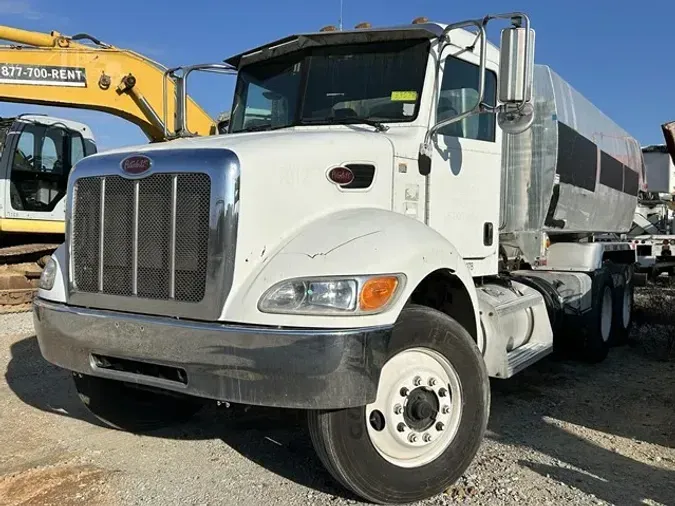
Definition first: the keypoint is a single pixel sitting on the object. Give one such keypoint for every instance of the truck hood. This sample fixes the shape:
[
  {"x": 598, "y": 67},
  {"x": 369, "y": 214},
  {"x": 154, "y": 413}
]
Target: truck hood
[{"x": 284, "y": 185}]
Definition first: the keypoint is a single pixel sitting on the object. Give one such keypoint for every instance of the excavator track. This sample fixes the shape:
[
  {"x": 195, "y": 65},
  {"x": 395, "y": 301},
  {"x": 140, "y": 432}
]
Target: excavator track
[{"x": 20, "y": 270}]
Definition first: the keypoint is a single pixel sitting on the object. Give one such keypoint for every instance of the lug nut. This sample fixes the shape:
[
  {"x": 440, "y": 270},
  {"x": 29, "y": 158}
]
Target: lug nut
[
  {"x": 417, "y": 381},
  {"x": 398, "y": 409},
  {"x": 432, "y": 382},
  {"x": 404, "y": 392},
  {"x": 442, "y": 392},
  {"x": 440, "y": 426},
  {"x": 445, "y": 410},
  {"x": 427, "y": 438},
  {"x": 412, "y": 438},
  {"x": 400, "y": 427}
]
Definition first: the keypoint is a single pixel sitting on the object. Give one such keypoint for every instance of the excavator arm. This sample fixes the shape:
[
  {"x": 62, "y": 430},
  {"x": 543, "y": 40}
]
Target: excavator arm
[{"x": 53, "y": 69}]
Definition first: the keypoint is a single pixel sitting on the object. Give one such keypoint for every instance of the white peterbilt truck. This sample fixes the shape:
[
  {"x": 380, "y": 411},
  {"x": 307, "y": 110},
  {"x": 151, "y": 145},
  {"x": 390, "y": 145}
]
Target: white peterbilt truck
[{"x": 415, "y": 213}]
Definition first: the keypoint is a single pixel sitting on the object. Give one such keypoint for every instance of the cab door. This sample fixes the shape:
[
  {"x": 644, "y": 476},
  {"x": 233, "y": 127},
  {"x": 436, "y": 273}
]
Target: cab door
[
  {"x": 466, "y": 163},
  {"x": 40, "y": 159}
]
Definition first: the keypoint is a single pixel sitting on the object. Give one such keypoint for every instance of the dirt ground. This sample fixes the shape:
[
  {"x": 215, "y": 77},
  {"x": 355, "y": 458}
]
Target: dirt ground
[{"x": 560, "y": 433}]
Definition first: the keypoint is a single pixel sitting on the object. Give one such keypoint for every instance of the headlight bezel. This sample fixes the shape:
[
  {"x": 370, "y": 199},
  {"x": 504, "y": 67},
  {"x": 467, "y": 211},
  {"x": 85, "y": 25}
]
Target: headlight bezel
[
  {"x": 48, "y": 275},
  {"x": 359, "y": 281}
]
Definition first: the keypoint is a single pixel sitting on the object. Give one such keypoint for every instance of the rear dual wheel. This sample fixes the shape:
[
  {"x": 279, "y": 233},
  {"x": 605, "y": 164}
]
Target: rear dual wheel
[
  {"x": 426, "y": 423},
  {"x": 611, "y": 316}
]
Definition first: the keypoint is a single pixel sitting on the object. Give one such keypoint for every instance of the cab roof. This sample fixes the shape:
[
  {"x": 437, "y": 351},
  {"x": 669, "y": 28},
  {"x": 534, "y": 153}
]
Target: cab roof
[{"x": 301, "y": 41}]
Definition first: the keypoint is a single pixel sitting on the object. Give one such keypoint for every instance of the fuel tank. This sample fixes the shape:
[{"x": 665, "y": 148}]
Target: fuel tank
[{"x": 574, "y": 171}]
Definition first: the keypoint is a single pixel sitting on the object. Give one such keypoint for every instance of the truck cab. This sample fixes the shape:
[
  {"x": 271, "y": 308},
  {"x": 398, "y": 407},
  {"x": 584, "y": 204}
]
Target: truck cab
[{"x": 347, "y": 249}]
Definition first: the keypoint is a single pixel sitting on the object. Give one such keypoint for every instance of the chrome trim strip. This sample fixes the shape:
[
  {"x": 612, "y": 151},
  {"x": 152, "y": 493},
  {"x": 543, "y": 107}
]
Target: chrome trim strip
[
  {"x": 172, "y": 240},
  {"x": 134, "y": 238},
  {"x": 223, "y": 168},
  {"x": 101, "y": 237}
]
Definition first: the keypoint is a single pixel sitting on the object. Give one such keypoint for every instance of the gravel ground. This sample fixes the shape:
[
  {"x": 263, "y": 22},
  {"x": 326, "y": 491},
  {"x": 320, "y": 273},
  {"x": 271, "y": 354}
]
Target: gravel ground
[{"x": 560, "y": 433}]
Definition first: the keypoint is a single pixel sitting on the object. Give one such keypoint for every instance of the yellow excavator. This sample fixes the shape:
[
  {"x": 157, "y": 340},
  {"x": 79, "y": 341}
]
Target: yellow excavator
[{"x": 36, "y": 154}]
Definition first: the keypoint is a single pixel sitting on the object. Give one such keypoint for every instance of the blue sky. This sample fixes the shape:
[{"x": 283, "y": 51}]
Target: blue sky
[{"x": 596, "y": 45}]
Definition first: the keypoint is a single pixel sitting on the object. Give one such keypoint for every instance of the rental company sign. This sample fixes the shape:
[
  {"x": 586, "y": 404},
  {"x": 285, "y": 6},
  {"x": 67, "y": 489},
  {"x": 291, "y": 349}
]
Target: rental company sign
[{"x": 42, "y": 75}]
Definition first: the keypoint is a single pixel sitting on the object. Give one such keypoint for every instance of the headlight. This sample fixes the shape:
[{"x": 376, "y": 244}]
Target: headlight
[
  {"x": 48, "y": 275},
  {"x": 345, "y": 296}
]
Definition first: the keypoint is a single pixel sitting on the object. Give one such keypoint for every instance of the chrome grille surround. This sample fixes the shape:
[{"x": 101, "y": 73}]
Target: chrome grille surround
[{"x": 159, "y": 243}]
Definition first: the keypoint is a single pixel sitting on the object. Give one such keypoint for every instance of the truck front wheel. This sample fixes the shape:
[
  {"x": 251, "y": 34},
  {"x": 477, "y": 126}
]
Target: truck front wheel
[
  {"x": 131, "y": 408},
  {"x": 428, "y": 419}
]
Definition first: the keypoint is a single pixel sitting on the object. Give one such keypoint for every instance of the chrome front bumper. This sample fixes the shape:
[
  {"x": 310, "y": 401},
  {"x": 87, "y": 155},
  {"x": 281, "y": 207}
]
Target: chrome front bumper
[{"x": 293, "y": 368}]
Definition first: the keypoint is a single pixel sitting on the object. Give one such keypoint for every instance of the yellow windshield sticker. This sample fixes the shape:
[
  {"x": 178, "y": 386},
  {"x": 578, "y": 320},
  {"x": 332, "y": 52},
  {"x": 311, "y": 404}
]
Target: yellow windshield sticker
[{"x": 403, "y": 96}]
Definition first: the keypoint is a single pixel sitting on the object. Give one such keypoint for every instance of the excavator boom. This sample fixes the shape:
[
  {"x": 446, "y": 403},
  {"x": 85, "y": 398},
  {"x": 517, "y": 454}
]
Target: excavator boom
[{"x": 52, "y": 69}]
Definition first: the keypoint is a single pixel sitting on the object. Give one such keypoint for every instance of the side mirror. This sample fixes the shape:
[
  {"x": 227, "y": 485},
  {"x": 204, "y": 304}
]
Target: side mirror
[
  {"x": 516, "y": 65},
  {"x": 516, "y": 79}
]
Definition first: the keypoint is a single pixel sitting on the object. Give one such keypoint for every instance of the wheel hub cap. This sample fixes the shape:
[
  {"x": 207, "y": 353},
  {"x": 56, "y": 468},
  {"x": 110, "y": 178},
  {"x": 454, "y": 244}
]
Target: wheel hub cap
[{"x": 419, "y": 399}]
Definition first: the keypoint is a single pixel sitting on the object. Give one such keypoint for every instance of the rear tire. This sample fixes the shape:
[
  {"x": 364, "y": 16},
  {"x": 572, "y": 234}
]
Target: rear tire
[
  {"x": 597, "y": 334},
  {"x": 623, "y": 309},
  {"x": 427, "y": 422},
  {"x": 133, "y": 409}
]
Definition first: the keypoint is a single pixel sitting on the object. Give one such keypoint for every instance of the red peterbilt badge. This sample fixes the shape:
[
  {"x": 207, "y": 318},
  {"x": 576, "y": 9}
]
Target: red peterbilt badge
[
  {"x": 341, "y": 176},
  {"x": 136, "y": 164}
]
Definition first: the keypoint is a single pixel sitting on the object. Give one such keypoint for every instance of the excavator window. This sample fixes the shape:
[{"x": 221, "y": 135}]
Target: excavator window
[{"x": 43, "y": 157}]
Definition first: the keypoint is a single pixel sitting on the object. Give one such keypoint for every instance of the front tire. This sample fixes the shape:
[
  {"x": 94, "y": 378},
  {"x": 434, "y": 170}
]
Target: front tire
[
  {"x": 130, "y": 408},
  {"x": 428, "y": 419}
]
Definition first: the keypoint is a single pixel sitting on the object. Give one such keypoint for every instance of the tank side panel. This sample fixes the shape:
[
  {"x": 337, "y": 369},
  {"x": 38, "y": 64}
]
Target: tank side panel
[
  {"x": 600, "y": 167},
  {"x": 529, "y": 164}
]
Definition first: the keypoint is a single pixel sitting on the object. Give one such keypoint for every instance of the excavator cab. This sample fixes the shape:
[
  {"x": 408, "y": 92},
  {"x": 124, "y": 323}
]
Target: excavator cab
[{"x": 36, "y": 156}]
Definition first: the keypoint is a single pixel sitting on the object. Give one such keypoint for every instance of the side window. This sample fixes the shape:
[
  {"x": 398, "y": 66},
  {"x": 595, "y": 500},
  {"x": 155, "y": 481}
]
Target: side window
[
  {"x": 24, "y": 156},
  {"x": 50, "y": 155},
  {"x": 76, "y": 148},
  {"x": 459, "y": 93}
]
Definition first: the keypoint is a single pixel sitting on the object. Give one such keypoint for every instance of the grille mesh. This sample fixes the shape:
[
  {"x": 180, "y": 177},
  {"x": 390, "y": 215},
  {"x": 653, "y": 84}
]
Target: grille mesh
[
  {"x": 85, "y": 235},
  {"x": 117, "y": 235},
  {"x": 154, "y": 236}
]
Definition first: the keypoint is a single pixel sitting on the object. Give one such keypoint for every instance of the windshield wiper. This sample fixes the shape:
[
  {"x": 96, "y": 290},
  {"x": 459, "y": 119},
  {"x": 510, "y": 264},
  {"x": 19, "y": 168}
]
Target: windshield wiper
[
  {"x": 349, "y": 120},
  {"x": 263, "y": 128},
  {"x": 256, "y": 128}
]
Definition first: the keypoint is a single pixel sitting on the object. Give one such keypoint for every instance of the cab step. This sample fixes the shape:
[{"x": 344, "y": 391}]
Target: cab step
[{"x": 526, "y": 355}]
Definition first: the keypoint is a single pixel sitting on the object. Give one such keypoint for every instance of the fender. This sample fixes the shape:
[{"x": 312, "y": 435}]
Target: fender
[
  {"x": 350, "y": 242},
  {"x": 58, "y": 291}
]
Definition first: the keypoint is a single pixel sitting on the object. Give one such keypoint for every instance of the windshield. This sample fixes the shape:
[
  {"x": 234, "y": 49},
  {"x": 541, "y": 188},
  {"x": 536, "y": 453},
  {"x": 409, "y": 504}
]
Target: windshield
[{"x": 332, "y": 84}]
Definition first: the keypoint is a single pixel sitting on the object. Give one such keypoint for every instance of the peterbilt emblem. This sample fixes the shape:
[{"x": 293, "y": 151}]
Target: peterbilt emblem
[
  {"x": 136, "y": 164},
  {"x": 341, "y": 176}
]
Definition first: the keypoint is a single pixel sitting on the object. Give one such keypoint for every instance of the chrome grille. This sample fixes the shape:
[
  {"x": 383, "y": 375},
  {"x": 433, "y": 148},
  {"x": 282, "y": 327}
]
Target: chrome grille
[{"x": 142, "y": 238}]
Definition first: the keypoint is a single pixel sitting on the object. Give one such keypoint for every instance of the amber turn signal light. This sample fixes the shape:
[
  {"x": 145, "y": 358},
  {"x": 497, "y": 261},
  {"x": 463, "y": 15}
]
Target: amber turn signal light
[{"x": 377, "y": 292}]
